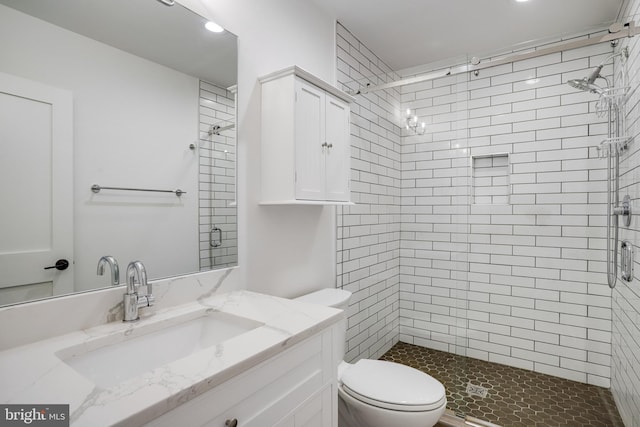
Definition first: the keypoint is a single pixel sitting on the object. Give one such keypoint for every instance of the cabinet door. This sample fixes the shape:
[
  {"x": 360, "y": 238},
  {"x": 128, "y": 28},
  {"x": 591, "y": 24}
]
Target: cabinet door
[
  {"x": 338, "y": 155},
  {"x": 310, "y": 142},
  {"x": 315, "y": 412}
]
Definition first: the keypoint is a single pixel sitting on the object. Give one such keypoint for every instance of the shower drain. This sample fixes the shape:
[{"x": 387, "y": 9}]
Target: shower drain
[{"x": 477, "y": 390}]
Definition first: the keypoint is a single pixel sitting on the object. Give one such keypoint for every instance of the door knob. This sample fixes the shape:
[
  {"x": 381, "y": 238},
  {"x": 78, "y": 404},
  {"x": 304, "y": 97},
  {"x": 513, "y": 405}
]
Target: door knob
[
  {"x": 61, "y": 264},
  {"x": 231, "y": 423}
]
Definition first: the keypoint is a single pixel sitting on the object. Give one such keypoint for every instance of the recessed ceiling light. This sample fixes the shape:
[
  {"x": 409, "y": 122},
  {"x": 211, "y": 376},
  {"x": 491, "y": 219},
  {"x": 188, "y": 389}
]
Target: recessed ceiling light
[
  {"x": 213, "y": 27},
  {"x": 521, "y": 1}
]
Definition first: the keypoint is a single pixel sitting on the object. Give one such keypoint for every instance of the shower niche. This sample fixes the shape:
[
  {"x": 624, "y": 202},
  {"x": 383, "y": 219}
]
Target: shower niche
[{"x": 490, "y": 179}]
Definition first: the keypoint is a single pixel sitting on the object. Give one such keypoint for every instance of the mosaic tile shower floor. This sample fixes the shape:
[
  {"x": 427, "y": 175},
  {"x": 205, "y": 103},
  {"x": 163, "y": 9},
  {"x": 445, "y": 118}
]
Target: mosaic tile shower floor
[{"x": 516, "y": 397}]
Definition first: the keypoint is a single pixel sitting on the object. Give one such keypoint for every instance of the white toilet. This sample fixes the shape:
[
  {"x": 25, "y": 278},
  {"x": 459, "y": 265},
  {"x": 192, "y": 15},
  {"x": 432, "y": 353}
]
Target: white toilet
[{"x": 376, "y": 393}]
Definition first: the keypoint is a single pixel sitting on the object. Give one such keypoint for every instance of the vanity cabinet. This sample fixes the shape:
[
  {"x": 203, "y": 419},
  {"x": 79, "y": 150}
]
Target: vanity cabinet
[
  {"x": 305, "y": 140},
  {"x": 295, "y": 388}
]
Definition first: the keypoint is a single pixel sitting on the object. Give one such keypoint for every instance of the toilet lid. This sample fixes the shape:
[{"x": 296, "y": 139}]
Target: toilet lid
[{"x": 393, "y": 386}]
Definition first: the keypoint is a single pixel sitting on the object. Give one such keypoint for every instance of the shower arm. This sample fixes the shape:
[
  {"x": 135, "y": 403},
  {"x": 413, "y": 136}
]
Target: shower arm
[{"x": 596, "y": 73}]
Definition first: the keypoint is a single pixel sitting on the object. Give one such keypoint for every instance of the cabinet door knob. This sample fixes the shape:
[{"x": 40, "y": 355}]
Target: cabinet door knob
[
  {"x": 330, "y": 145},
  {"x": 231, "y": 423},
  {"x": 324, "y": 144}
]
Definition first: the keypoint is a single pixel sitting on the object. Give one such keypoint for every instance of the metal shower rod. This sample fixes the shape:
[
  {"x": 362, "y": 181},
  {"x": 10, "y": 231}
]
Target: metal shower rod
[{"x": 616, "y": 31}]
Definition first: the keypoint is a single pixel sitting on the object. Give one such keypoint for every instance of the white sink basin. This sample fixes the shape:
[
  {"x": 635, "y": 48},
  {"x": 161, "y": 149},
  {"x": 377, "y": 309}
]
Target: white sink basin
[{"x": 114, "y": 362}]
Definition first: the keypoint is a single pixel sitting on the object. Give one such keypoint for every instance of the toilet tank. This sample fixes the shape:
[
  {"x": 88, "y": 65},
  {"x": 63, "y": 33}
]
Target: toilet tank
[
  {"x": 329, "y": 297},
  {"x": 336, "y": 298}
]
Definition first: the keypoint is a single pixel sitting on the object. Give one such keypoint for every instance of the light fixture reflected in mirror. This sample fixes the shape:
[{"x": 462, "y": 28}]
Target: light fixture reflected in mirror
[
  {"x": 213, "y": 27},
  {"x": 411, "y": 123}
]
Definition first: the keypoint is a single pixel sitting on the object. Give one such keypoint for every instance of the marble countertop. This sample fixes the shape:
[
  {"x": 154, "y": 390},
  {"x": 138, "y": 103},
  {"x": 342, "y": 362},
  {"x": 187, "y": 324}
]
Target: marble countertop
[{"x": 36, "y": 374}]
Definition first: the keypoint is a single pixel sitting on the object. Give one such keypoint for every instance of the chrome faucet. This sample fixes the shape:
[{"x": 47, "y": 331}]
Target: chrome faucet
[
  {"x": 132, "y": 300},
  {"x": 113, "y": 266}
]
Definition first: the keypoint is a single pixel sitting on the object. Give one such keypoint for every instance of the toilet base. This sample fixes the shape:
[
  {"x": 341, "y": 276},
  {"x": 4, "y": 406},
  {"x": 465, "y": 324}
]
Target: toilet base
[{"x": 353, "y": 413}]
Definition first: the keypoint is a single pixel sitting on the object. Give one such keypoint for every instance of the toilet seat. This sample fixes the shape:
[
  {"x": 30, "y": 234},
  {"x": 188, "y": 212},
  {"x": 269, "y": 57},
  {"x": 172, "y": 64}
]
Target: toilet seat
[{"x": 393, "y": 386}]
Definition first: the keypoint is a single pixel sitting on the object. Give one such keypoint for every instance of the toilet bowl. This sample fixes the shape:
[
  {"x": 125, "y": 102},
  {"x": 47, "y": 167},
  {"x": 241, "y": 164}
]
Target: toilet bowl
[{"x": 376, "y": 393}]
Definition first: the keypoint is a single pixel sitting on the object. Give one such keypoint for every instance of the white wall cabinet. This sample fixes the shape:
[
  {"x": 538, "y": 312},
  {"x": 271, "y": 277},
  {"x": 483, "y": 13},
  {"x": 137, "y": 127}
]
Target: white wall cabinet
[
  {"x": 296, "y": 388},
  {"x": 305, "y": 140}
]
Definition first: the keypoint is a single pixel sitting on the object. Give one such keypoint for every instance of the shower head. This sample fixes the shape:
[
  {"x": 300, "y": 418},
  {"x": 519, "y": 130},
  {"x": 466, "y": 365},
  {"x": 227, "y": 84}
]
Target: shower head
[
  {"x": 588, "y": 83},
  {"x": 584, "y": 84}
]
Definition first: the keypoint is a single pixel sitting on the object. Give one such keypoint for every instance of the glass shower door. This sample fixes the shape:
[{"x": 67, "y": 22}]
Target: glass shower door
[
  {"x": 435, "y": 232},
  {"x": 459, "y": 210}
]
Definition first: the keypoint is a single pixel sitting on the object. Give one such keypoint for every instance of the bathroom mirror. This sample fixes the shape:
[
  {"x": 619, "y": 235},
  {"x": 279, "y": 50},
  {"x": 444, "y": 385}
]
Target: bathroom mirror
[{"x": 127, "y": 95}]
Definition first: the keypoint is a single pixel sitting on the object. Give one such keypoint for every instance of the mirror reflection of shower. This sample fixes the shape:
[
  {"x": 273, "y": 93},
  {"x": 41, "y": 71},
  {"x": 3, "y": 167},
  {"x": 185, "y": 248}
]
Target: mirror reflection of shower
[
  {"x": 216, "y": 148},
  {"x": 611, "y": 103}
]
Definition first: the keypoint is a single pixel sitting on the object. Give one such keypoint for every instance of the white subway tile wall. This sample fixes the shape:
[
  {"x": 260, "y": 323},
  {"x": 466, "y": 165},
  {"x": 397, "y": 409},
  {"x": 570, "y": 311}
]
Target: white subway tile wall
[
  {"x": 369, "y": 233},
  {"x": 516, "y": 279},
  {"x": 217, "y": 178},
  {"x": 625, "y": 376}
]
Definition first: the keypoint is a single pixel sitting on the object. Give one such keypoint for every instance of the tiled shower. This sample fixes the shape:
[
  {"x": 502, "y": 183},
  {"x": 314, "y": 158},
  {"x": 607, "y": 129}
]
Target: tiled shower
[
  {"x": 533, "y": 291},
  {"x": 486, "y": 236}
]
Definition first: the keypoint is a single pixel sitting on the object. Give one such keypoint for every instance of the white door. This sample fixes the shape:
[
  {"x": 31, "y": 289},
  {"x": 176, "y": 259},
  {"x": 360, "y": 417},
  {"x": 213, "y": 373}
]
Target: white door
[
  {"x": 36, "y": 188},
  {"x": 310, "y": 142},
  {"x": 338, "y": 156}
]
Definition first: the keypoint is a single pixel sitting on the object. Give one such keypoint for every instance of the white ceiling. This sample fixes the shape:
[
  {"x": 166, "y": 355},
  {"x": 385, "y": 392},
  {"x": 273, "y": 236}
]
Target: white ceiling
[
  {"x": 171, "y": 36},
  {"x": 409, "y": 33}
]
